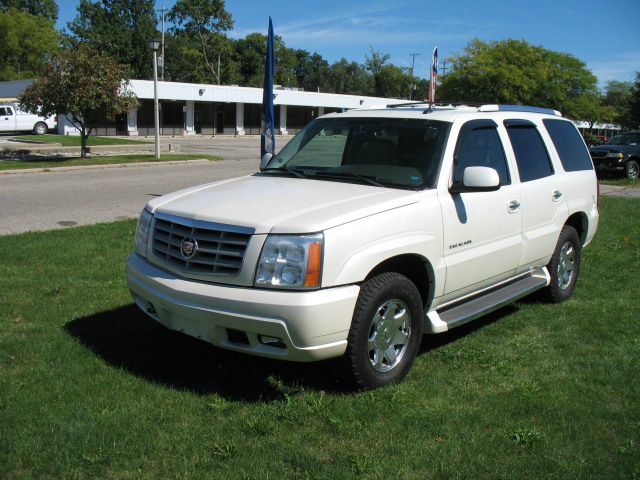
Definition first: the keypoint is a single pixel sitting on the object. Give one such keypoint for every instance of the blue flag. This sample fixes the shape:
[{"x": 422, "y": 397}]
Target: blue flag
[{"x": 267, "y": 132}]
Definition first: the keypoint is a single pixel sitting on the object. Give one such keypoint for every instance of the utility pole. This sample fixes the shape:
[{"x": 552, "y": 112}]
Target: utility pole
[
  {"x": 413, "y": 61},
  {"x": 444, "y": 67},
  {"x": 162, "y": 10}
]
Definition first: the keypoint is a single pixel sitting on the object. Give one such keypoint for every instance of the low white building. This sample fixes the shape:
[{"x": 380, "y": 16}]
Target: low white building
[{"x": 190, "y": 109}]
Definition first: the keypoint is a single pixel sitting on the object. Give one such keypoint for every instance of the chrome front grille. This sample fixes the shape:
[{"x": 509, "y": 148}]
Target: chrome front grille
[{"x": 217, "y": 249}]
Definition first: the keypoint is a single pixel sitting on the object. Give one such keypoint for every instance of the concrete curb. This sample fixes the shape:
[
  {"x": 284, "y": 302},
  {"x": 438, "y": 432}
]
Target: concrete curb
[
  {"x": 30, "y": 149},
  {"x": 95, "y": 167}
]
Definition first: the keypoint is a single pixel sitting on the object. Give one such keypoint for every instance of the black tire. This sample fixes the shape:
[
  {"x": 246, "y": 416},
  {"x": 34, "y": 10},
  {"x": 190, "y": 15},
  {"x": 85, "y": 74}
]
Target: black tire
[
  {"x": 40, "y": 128},
  {"x": 632, "y": 170},
  {"x": 373, "y": 331},
  {"x": 564, "y": 266}
]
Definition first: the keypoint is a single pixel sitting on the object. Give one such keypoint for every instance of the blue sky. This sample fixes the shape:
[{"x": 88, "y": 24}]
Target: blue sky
[{"x": 605, "y": 35}]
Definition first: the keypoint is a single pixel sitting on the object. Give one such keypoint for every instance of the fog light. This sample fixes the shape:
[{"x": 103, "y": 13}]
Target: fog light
[{"x": 271, "y": 341}]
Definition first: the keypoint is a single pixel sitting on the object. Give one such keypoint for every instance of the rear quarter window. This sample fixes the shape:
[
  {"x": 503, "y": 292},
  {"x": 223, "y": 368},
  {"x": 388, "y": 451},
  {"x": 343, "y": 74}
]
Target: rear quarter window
[{"x": 569, "y": 145}]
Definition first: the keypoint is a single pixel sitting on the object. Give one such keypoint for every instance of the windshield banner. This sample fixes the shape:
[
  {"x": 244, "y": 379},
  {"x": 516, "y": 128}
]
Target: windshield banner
[{"x": 267, "y": 133}]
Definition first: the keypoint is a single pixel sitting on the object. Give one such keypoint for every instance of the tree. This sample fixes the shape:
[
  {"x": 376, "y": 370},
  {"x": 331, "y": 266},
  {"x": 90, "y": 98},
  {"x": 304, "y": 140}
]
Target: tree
[
  {"x": 515, "y": 72},
  {"x": 349, "y": 78},
  {"x": 85, "y": 84},
  {"x": 617, "y": 95},
  {"x": 41, "y": 8},
  {"x": 120, "y": 28},
  {"x": 27, "y": 43},
  {"x": 311, "y": 71},
  {"x": 203, "y": 20},
  {"x": 634, "y": 104}
]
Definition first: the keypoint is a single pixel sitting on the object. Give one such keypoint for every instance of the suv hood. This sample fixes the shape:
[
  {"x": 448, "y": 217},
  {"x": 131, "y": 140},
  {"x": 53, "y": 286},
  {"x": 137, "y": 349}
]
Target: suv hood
[
  {"x": 615, "y": 148},
  {"x": 281, "y": 204}
]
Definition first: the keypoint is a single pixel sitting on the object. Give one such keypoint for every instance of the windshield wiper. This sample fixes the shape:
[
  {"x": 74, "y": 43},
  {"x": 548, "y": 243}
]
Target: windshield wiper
[
  {"x": 294, "y": 171},
  {"x": 364, "y": 178}
]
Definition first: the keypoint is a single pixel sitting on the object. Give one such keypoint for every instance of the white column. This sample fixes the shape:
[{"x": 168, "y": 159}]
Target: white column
[
  {"x": 239, "y": 118},
  {"x": 190, "y": 123},
  {"x": 320, "y": 111},
  {"x": 283, "y": 120},
  {"x": 132, "y": 122}
]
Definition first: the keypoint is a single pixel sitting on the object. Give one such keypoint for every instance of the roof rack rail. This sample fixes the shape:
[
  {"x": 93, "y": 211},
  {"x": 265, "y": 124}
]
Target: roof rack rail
[
  {"x": 434, "y": 104},
  {"x": 526, "y": 108},
  {"x": 482, "y": 107}
]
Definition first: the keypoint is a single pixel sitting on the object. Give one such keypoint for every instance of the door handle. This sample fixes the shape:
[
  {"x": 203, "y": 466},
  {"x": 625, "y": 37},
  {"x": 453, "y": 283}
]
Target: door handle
[
  {"x": 514, "y": 206},
  {"x": 556, "y": 195}
]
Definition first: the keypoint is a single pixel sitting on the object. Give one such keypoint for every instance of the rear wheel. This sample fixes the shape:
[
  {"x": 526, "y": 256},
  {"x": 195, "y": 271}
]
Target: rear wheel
[
  {"x": 40, "y": 128},
  {"x": 564, "y": 265},
  {"x": 632, "y": 170},
  {"x": 386, "y": 330}
]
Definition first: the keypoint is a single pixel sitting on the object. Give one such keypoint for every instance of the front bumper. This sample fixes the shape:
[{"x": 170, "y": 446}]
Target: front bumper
[
  {"x": 608, "y": 165},
  {"x": 309, "y": 325}
]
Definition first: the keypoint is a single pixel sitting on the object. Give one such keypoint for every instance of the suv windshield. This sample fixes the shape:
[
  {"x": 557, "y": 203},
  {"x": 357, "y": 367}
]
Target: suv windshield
[
  {"x": 390, "y": 152},
  {"x": 629, "y": 138}
]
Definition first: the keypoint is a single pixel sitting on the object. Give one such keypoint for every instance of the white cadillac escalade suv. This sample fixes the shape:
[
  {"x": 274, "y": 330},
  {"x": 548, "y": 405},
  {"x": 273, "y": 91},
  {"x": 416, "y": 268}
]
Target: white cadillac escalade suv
[{"x": 370, "y": 228}]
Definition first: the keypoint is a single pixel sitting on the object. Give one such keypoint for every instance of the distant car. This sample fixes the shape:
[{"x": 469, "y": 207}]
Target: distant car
[
  {"x": 12, "y": 119},
  {"x": 621, "y": 154}
]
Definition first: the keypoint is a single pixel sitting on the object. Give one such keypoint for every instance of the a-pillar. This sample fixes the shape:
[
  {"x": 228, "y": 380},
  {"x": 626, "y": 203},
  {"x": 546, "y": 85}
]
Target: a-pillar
[
  {"x": 239, "y": 118},
  {"x": 132, "y": 122},
  {"x": 283, "y": 120},
  {"x": 189, "y": 123}
]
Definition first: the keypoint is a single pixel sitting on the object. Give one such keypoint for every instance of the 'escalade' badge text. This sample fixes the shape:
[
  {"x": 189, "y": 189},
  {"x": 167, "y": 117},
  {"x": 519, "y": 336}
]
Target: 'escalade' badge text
[{"x": 459, "y": 244}]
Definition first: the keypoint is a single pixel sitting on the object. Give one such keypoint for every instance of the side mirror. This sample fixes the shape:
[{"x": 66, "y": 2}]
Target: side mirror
[
  {"x": 478, "y": 179},
  {"x": 265, "y": 159}
]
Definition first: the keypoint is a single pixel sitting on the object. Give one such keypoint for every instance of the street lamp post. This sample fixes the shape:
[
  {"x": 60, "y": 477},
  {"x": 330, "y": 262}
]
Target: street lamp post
[{"x": 154, "y": 45}]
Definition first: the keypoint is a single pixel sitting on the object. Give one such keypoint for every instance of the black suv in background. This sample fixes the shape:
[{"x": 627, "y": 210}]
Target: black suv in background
[{"x": 621, "y": 154}]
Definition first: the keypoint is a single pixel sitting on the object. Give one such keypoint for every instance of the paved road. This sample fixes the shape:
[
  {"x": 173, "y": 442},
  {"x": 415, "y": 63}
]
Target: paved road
[{"x": 55, "y": 199}]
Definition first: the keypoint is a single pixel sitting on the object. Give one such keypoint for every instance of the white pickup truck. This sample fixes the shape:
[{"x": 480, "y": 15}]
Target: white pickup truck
[
  {"x": 370, "y": 228},
  {"x": 12, "y": 119}
]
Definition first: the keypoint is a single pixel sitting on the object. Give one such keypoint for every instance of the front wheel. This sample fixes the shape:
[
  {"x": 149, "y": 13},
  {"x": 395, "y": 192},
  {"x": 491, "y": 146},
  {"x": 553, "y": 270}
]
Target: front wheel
[
  {"x": 564, "y": 265},
  {"x": 40, "y": 128},
  {"x": 386, "y": 330},
  {"x": 632, "y": 170}
]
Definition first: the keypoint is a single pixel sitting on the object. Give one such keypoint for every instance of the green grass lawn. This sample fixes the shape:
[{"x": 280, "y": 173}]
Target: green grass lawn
[
  {"x": 52, "y": 162},
  {"x": 75, "y": 140},
  {"x": 91, "y": 388}
]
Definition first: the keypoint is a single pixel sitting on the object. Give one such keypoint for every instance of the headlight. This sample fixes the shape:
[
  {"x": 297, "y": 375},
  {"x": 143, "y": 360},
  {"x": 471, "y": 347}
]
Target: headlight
[
  {"x": 615, "y": 155},
  {"x": 290, "y": 261},
  {"x": 142, "y": 232}
]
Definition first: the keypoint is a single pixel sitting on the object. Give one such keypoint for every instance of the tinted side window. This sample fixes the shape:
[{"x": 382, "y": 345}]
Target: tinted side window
[
  {"x": 481, "y": 148},
  {"x": 3, "y": 111},
  {"x": 569, "y": 145},
  {"x": 531, "y": 154}
]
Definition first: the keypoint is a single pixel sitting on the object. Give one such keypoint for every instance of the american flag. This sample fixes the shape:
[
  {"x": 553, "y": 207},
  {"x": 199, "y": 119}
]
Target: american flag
[{"x": 433, "y": 76}]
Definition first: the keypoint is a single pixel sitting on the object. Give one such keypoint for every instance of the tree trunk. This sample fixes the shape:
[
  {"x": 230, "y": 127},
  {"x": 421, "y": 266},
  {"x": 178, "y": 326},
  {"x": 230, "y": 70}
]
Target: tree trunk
[{"x": 83, "y": 148}]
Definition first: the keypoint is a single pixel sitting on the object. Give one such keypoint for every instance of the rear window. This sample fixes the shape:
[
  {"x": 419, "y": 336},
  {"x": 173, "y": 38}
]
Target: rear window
[{"x": 569, "y": 145}]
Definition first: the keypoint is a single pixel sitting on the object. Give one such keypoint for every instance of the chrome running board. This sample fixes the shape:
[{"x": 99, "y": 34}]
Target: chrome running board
[{"x": 459, "y": 313}]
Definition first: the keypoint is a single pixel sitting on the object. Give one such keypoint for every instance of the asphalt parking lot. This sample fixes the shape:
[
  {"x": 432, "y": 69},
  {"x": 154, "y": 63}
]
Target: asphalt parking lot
[{"x": 45, "y": 200}]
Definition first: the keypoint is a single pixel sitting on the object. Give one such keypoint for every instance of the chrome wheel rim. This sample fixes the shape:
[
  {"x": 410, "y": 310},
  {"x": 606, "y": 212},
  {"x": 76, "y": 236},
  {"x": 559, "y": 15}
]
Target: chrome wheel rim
[
  {"x": 632, "y": 171},
  {"x": 566, "y": 265},
  {"x": 389, "y": 335},
  {"x": 40, "y": 130}
]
